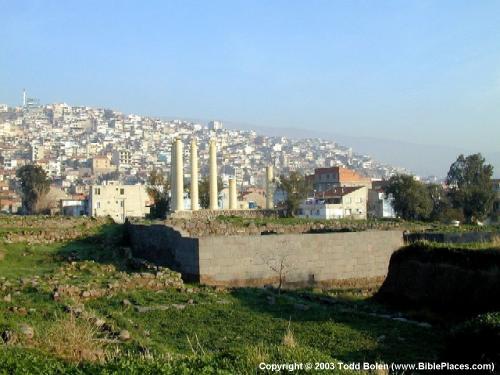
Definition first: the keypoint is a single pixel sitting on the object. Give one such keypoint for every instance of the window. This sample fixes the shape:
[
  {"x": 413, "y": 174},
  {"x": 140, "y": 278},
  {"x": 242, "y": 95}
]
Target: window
[
  {"x": 122, "y": 191},
  {"x": 98, "y": 204},
  {"x": 97, "y": 191},
  {"x": 121, "y": 204}
]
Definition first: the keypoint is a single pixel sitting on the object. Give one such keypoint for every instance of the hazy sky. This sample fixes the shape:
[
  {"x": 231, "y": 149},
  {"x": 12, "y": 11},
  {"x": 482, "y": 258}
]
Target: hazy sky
[{"x": 423, "y": 71}]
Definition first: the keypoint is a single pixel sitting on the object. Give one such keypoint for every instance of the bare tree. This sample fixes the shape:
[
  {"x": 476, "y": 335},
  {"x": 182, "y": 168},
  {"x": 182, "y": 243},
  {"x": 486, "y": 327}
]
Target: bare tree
[{"x": 280, "y": 265}]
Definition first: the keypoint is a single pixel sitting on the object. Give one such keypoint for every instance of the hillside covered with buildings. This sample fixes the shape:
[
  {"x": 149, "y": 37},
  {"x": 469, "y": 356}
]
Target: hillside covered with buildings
[{"x": 82, "y": 146}]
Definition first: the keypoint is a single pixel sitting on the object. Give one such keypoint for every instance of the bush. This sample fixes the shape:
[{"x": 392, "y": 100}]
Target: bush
[{"x": 476, "y": 340}]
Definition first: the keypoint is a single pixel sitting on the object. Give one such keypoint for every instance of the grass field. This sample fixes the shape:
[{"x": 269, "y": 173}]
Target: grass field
[{"x": 79, "y": 307}]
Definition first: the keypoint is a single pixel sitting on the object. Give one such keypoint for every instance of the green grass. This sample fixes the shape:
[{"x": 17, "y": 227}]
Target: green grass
[
  {"x": 458, "y": 246},
  {"x": 238, "y": 220},
  {"x": 415, "y": 226},
  {"x": 227, "y": 331}
]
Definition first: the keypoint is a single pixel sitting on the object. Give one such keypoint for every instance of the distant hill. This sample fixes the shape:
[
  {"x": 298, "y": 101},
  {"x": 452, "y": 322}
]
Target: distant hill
[{"x": 425, "y": 160}]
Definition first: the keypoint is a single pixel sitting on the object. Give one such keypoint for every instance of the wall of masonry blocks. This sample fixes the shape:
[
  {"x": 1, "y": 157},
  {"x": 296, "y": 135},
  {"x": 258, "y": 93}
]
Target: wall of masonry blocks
[{"x": 351, "y": 259}]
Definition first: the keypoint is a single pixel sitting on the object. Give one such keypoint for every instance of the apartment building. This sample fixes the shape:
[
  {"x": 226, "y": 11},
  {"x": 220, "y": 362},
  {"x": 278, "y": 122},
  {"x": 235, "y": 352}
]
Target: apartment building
[
  {"x": 336, "y": 203},
  {"x": 102, "y": 165},
  {"x": 325, "y": 179},
  {"x": 119, "y": 201}
]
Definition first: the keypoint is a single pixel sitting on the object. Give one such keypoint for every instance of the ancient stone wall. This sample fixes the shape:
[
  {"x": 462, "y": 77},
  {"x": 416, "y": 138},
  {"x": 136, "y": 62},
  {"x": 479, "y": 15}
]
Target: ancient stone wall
[
  {"x": 321, "y": 259},
  {"x": 212, "y": 214},
  {"x": 200, "y": 228},
  {"x": 165, "y": 246},
  {"x": 48, "y": 229}
]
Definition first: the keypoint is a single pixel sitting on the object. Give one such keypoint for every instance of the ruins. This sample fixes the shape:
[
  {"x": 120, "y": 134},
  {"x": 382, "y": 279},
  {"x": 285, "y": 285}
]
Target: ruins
[{"x": 177, "y": 180}]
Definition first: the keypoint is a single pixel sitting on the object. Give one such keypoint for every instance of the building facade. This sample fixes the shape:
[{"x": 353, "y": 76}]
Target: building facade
[
  {"x": 337, "y": 203},
  {"x": 380, "y": 205},
  {"x": 119, "y": 201},
  {"x": 102, "y": 165},
  {"x": 325, "y": 179}
]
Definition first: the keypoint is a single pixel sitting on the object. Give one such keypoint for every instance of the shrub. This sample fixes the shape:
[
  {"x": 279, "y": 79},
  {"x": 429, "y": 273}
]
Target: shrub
[
  {"x": 476, "y": 340},
  {"x": 72, "y": 340}
]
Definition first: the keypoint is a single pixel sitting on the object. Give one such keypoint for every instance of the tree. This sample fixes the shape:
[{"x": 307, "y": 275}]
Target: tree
[
  {"x": 296, "y": 188},
  {"x": 158, "y": 187},
  {"x": 34, "y": 185},
  {"x": 204, "y": 191},
  {"x": 471, "y": 188},
  {"x": 411, "y": 198},
  {"x": 442, "y": 209}
]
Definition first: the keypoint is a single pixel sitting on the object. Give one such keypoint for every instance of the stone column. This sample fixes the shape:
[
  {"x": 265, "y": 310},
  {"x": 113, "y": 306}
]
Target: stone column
[
  {"x": 269, "y": 188},
  {"x": 212, "y": 159},
  {"x": 179, "y": 176},
  {"x": 194, "y": 175},
  {"x": 233, "y": 199},
  {"x": 172, "y": 178}
]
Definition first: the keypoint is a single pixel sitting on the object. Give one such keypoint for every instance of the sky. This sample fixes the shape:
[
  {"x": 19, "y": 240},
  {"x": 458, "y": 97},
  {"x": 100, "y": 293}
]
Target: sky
[{"x": 426, "y": 72}]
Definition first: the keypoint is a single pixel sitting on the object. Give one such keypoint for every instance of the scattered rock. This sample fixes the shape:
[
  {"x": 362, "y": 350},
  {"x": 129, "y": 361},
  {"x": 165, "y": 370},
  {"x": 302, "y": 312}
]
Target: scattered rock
[
  {"x": 27, "y": 331},
  {"x": 107, "y": 327},
  {"x": 124, "y": 335},
  {"x": 99, "y": 322},
  {"x": 381, "y": 338},
  {"x": 126, "y": 302},
  {"x": 8, "y": 337},
  {"x": 190, "y": 302},
  {"x": 22, "y": 311},
  {"x": 145, "y": 309},
  {"x": 76, "y": 310},
  {"x": 7, "y": 298}
]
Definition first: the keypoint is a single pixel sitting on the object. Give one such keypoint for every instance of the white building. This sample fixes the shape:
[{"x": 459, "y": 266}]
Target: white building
[
  {"x": 380, "y": 205},
  {"x": 73, "y": 207},
  {"x": 337, "y": 203},
  {"x": 119, "y": 201},
  {"x": 215, "y": 125}
]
